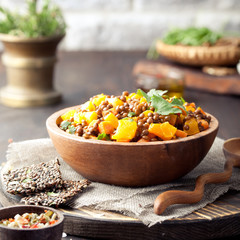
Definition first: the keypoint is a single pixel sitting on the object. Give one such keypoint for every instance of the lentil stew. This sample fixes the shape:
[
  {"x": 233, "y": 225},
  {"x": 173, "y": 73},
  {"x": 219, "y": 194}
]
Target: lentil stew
[{"x": 135, "y": 117}]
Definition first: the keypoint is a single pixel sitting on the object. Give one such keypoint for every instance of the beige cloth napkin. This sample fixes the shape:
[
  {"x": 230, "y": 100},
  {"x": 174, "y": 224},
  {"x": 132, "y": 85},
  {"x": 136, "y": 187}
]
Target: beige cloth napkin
[{"x": 133, "y": 202}]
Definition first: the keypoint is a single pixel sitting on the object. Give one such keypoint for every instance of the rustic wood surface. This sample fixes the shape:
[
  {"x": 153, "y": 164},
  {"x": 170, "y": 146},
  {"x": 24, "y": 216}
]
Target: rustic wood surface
[
  {"x": 79, "y": 75},
  {"x": 195, "y": 78},
  {"x": 215, "y": 220}
]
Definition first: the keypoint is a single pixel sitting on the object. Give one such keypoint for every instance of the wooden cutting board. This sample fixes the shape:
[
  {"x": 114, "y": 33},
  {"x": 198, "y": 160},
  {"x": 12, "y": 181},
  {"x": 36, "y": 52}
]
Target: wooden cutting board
[
  {"x": 216, "y": 220},
  {"x": 195, "y": 78}
]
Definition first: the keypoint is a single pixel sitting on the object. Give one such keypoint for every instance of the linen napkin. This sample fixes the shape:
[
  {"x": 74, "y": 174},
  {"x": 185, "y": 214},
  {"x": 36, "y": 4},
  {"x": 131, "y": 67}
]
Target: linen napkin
[{"x": 132, "y": 202}]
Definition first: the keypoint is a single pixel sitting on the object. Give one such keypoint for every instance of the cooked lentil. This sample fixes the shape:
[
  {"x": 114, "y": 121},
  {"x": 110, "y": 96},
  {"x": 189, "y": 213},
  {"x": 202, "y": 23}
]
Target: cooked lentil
[{"x": 135, "y": 107}]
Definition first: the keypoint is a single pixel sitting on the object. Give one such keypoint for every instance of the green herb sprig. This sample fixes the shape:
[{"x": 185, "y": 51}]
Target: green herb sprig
[
  {"x": 160, "y": 104},
  {"x": 103, "y": 136}
]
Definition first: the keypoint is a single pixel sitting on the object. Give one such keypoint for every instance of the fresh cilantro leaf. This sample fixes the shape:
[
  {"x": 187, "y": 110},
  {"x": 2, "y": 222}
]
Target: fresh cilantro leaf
[
  {"x": 72, "y": 129},
  {"x": 131, "y": 114},
  {"x": 64, "y": 125},
  {"x": 140, "y": 92},
  {"x": 183, "y": 101},
  {"x": 178, "y": 102},
  {"x": 103, "y": 136},
  {"x": 52, "y": 194},
  {"x": 164, "y": 107},
  {"x": 154, "y": 92}
]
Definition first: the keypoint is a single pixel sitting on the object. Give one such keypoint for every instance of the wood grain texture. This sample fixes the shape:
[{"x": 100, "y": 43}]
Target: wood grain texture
[
  {"x": 217, "y": 220},
  {"x": 231, "y": 150},
  {"x": 194, "y": 77}
]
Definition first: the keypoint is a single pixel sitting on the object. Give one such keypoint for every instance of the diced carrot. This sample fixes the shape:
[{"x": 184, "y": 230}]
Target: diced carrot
[
  {"x": 204, "y": 123},
  {"x": 192, "y": 126},
  {"x": 126, "y": 130},
  {"x": 155, "y": 129},
  {"x": 89, "y": 106},
  {"x": 92, "y": 123},
  {"x": 173, "y": 119},
  {"x": 112, "y": 118},
  {"x": 68, "y": 115},
  {"x": 123, "y": 140},
  {"x": 52, "y": 222},
  {"x": 190, "y": 108},
  {"x": 98, "y": 99},
  {"x": 199, "y": 108},
  {"x": 180, "y": 133},
  {"x": 106, "y": 127},
  {"x": 192, "y": 104},
  {"x": 113, "y": 111},
  {"x": 90, "y": 116},
  {"x": 168, "y": 131}
]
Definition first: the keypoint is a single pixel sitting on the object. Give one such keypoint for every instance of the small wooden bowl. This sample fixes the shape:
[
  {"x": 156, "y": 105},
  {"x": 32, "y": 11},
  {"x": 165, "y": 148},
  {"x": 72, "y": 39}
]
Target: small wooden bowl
[
  {"x": 130, "y": 164},
  {"x": 53, "y": 232}
]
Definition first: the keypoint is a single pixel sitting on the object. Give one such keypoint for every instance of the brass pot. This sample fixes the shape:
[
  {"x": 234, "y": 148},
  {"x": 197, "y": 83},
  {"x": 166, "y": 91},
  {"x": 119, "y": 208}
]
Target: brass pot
[{"x": 29, "y": 66}]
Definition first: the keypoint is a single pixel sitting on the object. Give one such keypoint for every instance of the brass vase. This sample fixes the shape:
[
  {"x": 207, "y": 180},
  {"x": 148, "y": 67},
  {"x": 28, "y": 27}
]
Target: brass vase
[{"x": 29, "y": 66}]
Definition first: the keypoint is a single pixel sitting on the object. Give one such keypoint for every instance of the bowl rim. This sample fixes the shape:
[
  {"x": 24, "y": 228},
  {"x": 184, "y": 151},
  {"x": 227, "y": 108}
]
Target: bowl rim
[
  {"x": 53, "y": 127},
  {"x": 59, "y": 213}
]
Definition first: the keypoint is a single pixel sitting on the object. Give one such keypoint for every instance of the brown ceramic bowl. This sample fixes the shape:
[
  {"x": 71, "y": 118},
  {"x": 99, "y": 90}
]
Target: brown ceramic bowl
[
  {"x": 130, "y": 164},
  {"x": 53, "y": 232}
]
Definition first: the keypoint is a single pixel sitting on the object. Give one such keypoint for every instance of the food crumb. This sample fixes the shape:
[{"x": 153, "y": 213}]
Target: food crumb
[{"x": 64, "y": 235}]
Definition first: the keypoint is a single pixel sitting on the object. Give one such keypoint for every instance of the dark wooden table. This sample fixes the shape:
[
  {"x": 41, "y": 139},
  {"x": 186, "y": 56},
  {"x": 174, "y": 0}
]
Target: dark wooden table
[{"x": 80, "y": 75}]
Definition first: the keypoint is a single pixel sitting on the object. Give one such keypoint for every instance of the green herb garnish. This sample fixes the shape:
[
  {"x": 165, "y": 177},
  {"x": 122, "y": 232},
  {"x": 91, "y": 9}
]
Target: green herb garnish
[
  {"x": 140, "y": 92},
  {"x": 72, "y": 129},
  {"x": 161, "y": 105},
  {"x": 164, "y": 107},
  {"x": 103, "y": 136},
  {"x": 131, "y": 114},
  {"x": 64, "y": 125}
]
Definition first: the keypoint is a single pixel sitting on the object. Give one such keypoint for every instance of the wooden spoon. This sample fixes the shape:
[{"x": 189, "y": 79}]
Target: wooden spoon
[{"x": 231, "y": 149}]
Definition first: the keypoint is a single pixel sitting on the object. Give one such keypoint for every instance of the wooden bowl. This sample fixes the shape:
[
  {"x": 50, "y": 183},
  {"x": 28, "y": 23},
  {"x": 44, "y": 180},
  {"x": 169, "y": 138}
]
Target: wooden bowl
[
  {"x": 226, "y": 54},
  {"x": 130, "y": 164},
  {"x": 53, "y": 232}
]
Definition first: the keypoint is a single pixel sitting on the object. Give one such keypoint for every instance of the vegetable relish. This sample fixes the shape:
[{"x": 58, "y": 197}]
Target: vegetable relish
[
  {"x": 31, "y": 220},
  {"x": 135, "y": 117}
]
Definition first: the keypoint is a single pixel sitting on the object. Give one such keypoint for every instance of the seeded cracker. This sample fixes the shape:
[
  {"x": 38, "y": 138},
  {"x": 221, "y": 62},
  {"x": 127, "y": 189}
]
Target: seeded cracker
[
  {"x": 33, "y": 179},
  {"x": 57, "y": 196}
]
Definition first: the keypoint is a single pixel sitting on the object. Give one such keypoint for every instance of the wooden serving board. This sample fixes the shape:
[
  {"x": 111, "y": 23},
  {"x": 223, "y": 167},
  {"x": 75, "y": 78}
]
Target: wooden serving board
[
  {"x": 195, "y": 78},
  {"x": 220, "y": 219},
  {"x": 217, "y": 220}
]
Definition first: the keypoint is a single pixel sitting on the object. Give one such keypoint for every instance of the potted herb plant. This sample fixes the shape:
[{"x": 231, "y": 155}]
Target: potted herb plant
[{"x": 30, "y": 42}]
